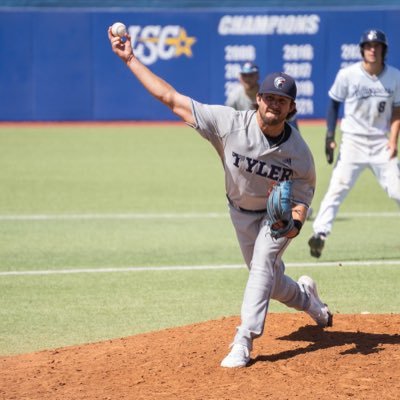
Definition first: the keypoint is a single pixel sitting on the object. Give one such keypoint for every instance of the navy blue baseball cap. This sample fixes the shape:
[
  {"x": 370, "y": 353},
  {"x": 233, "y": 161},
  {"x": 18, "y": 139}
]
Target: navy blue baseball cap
[
  {"x": 248, "y": 68},
  {"x": 279, "y": 83}
]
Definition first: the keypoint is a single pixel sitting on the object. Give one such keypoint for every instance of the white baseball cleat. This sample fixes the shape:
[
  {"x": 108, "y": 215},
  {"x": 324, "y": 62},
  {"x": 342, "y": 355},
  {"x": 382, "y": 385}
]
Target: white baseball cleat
[
  {"x": 238, "y": 357},
  {"x": 316, "y": 309}
]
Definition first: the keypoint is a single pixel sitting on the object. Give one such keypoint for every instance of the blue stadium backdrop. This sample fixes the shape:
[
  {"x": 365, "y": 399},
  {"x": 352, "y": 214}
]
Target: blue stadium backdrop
[{"x": 57, "y": 65}]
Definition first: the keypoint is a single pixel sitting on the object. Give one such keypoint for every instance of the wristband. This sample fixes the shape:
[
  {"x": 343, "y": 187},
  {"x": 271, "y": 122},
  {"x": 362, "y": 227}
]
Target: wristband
[
  {"x": 298, "y": 224},
  {"x": 330, "y": 135}
]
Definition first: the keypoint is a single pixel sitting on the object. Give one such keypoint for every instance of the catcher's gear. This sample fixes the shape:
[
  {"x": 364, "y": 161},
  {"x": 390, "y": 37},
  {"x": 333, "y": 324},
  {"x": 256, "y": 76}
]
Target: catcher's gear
[
  {"x": 279, "y": 209},
  {"x": 329, "y": 149}
]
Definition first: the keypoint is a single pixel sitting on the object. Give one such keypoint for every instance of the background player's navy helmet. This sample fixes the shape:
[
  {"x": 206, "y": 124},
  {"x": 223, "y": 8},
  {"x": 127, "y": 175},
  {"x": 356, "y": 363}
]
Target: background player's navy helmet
[
  {"x": 248, "y": 68},
  {"x": 374, "y": 35}
]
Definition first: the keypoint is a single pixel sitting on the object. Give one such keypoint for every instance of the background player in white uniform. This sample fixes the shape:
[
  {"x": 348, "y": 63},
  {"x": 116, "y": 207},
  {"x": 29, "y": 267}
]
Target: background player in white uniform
[
  {"x": 257, "y": 149},
  {"x": 370, "y": 90}
]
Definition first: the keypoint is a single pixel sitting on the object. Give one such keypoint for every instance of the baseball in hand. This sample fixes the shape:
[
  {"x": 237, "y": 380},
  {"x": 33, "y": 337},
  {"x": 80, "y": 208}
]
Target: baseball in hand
[{"x": 118, "y": 29}]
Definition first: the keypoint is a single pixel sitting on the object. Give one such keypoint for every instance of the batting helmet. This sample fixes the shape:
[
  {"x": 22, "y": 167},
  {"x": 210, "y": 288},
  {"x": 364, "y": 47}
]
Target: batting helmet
[{"x": 374, "y": 35}]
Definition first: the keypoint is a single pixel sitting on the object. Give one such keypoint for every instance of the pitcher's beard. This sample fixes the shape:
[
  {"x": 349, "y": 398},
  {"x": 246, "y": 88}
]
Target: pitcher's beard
[{"x": 272, "y": 121}]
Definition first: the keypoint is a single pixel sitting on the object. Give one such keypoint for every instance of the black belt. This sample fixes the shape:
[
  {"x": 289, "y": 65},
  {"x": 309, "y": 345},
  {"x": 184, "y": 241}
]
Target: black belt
[{"x": 244, "y": 209}]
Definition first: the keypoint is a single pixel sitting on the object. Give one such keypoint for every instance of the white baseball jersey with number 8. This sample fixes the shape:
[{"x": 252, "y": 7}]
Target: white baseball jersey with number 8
[
  {"x": 368, "y": 109},
  {"x": 368, "y": 100}
]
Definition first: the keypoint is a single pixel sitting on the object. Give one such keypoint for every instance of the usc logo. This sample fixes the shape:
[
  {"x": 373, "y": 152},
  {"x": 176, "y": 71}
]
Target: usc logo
[{"x": 153, "y": 42}]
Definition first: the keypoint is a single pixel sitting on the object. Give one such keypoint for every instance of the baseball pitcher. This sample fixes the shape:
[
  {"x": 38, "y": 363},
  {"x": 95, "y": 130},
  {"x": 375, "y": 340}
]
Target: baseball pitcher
[{"x": 269, "y": 182}]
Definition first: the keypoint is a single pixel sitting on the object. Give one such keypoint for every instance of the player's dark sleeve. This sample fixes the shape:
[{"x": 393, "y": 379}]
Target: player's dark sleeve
[
  {"x": 332, "y": 115},
  {"x": 331, "y": 119}
]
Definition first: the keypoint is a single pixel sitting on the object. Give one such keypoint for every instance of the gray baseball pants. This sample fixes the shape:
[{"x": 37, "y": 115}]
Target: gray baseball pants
[{"x": 267, "y": 278}]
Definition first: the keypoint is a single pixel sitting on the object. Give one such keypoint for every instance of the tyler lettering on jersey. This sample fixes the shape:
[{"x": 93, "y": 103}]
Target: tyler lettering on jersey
[{"x": 274, "y": 172}]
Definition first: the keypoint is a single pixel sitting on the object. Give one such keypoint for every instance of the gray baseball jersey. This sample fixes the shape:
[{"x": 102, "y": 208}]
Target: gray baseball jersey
[
  {"x": 252, "y": 164},
  {"x": 239, "y": 100}
]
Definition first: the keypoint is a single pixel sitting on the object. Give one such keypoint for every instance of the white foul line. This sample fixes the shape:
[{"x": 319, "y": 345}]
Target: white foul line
[
  {"x": 122, "y": 269},
  {"x": 194, "y": 267},
  {"x": 133, "y": 216},
  {"x": 122, "y": 216}
]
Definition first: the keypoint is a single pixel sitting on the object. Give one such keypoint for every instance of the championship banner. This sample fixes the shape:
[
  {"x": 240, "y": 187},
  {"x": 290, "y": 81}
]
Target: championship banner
[{"x": 64, "y": 69}]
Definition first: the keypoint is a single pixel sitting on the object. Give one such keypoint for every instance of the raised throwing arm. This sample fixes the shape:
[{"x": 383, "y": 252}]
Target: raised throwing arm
[{"x": 156, "y": 86}]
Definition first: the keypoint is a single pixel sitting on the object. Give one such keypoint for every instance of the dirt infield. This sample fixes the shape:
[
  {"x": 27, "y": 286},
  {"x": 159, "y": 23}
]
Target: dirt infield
[{"x": 358, "y": 358}]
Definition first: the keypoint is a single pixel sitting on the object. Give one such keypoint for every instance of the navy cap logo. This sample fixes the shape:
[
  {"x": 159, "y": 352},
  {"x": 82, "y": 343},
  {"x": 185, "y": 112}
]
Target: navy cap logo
[{"x": 279, "y": 81}]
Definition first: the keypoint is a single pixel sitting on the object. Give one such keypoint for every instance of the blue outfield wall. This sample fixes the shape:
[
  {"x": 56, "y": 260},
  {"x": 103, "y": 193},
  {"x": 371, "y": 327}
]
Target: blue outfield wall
[{"x": 57, "y": 64}]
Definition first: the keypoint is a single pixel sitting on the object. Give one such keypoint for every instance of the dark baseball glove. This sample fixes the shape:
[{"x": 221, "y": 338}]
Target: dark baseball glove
[
  {"x": 329, "y": 146},
  {"x": 279, "y": 209}
]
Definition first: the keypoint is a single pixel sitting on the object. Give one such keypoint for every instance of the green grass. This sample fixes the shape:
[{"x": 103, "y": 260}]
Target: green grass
[
  {"x": 107, "y": 169},
  {"x": 63, "y": 170}
]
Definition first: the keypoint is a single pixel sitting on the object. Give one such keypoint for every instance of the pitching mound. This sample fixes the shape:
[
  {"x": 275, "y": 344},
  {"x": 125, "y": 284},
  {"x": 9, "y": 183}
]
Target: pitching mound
[{"x": 357, "y": 358}]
